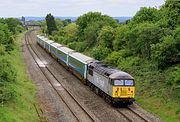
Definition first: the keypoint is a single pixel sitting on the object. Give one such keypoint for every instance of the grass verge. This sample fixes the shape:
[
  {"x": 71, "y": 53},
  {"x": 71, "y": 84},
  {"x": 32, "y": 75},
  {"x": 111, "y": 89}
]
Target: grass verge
[
  {"x": 21, "y": 108},
  {"x": 167, "y": 111},
  {"x": 155, "y": 96}
]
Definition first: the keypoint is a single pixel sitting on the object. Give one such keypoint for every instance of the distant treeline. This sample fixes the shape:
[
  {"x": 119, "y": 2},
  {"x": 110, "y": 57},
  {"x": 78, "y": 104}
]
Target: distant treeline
[{"x": 73, "y": 19}]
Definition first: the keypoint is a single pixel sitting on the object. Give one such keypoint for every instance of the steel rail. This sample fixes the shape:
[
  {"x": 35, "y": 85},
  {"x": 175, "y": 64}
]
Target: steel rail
[{"x": 30, "y": 50}]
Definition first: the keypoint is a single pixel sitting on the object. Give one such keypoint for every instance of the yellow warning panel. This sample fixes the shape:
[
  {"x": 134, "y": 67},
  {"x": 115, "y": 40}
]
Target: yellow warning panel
[{"x": 123, "y": 92}]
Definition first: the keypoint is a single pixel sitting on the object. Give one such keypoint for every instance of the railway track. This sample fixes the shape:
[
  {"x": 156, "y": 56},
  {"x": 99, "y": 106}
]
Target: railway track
[
  {"x": 137, "y": 114},
  {"x": 138, "y": 117},
  {"x": 57, "y": 86},
  {"x": 129, "y": 114}
]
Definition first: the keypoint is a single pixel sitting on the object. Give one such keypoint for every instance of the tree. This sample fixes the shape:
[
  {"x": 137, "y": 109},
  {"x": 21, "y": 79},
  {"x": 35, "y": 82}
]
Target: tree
[
  {"x": 93, "y": 18},
  {"x": 121, "y": 37},
  {"x": 66, "y": 22},
  {"x": 141, "y": 37},
  {"x": 106, "y": 37},
  {"x": 91, "y": 34},
  {"x": 100, "y": 53},
  {"x": 59, "y": 23},
  {"x": 51, "y": 24},
  {"x": 12, "y": 24},
  {"x": 167, "y": 52},
  {"x": 172, "y": 10},
  {"x": 70, "y": 32},
  {"x": 145, "y": 15}
]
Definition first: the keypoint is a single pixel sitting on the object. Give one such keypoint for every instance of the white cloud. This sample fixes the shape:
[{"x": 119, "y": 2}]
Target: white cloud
[{"x": 73, "y": 7}]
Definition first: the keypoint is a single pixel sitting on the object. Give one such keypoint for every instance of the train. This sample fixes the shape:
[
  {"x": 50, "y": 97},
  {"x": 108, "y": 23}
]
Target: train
[{"x": 114, "y": 85}]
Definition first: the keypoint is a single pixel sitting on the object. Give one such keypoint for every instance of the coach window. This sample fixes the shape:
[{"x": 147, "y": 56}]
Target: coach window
[{"x": 91, "y": 72}]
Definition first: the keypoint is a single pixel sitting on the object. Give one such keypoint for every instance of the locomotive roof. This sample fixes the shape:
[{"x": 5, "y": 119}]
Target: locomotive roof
[
  {"x": 83, "y": 58},
  {"x": 120, "y": 75},
  {"x": 65, "y": 49},
  {"x": 109, "y": 71}
]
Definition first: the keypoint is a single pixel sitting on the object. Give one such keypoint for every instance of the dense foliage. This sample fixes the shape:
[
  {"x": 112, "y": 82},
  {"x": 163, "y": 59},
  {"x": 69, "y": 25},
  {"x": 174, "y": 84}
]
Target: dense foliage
[
  {"x": 147, "y": 46},
  {"x": 151, "y": 35},
  {"x": 9, "y": 28}
]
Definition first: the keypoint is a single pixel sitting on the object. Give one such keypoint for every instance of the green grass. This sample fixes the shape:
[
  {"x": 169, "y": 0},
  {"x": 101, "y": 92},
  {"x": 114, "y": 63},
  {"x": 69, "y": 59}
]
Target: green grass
[
  {"x": 21, "y": 108},
  {"x": 155, "y": 95},
  {"x": 167, "y": 111}
]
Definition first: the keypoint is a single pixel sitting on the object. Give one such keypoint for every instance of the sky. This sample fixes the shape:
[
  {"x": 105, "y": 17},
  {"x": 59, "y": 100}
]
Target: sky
[{"x": 74, "y": 8}]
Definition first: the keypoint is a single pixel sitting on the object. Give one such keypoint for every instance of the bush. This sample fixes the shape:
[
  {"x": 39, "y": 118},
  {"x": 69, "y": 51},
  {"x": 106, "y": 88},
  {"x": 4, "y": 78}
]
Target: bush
[
  {"x": 62, "y": 40},
  {"x": 10, "y": 45},
  {"x": 51, "y": 37},
  {"x": 173, "y": 77},
  {"x": 113, "y": 58},
  {"x": 7, "y": 77},
  {"x": 6, "y": 92},
  {"x": 56, "y": 38},
  {"x": 2, "y": 50},
  {"x": 127, "y": 63},
  {"x": 106, "y": 36},
  {"x": 78, "y": 46},
  {"x": 100, "y": 53},
  {"x": 141, "y": 37},
  {"x": 166, "y": 53},
  {"x": 121, "y": 37}
]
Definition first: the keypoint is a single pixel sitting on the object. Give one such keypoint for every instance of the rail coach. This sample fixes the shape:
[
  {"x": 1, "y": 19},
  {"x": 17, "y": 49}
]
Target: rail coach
[{"x": 114, "y": 85}]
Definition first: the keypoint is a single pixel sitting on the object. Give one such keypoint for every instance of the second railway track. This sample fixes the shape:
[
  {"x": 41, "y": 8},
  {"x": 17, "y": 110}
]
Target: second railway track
[{"x": 78, "y": 110}]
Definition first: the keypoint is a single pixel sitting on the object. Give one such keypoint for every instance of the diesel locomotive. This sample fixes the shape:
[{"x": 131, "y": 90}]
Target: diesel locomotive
[{"x": 114, "y": 85}]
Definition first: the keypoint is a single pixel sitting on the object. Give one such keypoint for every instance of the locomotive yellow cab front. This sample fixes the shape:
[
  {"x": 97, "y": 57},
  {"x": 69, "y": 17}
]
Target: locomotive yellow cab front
[{"x": 123, "y": 87}]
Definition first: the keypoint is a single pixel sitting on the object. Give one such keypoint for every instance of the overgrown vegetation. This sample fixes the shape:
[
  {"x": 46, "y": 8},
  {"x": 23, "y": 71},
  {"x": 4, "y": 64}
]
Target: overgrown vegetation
[
  {"x": 17, "y": 94},
  {"x": 148, "y": 47},
  {"x": 9, "y": 28}
]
